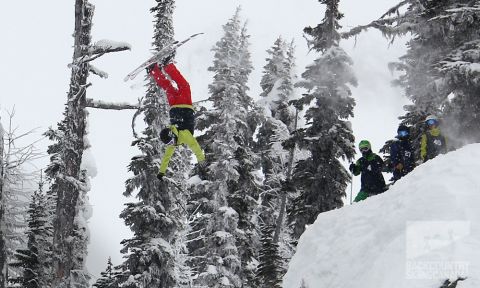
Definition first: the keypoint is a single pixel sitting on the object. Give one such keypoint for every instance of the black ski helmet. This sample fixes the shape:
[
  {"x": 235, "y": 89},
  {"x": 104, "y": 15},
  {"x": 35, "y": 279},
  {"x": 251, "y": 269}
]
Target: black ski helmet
[{"x": 166, "y": 135}]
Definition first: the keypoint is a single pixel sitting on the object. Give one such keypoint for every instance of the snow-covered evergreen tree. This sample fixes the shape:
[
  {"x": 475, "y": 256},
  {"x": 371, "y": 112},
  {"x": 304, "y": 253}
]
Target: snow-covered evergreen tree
[
  {"x": 269, "y": 272},
  {"x": 440, "y": 68},
  {"x": 156, "y": 219},
  {"x": 226, "y": 236},
  {"x": 35, "y": 259},
  {"x": 321, "y": 178},
  {"x": 460, "y": 71},
  {"x": 277, "y": 125},
  {"x": 108, "y": 278}
]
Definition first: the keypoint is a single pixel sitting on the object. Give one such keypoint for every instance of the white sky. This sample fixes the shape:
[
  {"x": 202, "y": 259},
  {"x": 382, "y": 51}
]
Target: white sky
[{"x": 37, "y": 46}]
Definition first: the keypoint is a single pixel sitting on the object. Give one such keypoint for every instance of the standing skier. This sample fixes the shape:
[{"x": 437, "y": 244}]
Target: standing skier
[
  {"x": 182, "y": 117},
  {"x": 401, "y": 153},
  {"x": 432, "y": 142},
  {"x": 370, "y": 165}
]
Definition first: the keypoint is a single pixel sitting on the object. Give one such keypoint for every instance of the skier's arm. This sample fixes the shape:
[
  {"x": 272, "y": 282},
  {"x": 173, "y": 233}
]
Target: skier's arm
[
  {"x": 357, "y": 169},
  {"x": 187, "y": 138},
  {"x": 166, "y": 158},
  {"x": 182, "y": 84},
  {"x": 394, "y": 157},
  {"x": 423, "y": 147},
  {"x": 162, "y": 81}
]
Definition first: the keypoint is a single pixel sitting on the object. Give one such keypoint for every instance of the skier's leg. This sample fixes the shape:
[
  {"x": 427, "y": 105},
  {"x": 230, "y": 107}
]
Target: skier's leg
[
  {"x": 362, "y": 195},
  {"x": 184, "y": 96}
]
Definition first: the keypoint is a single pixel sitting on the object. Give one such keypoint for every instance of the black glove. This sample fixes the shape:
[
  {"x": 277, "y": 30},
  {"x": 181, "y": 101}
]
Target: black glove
[
  {"x": 160, "y": 176},
  {"x": 168, "y": 59},
  {"x": 351, "y": 167},
  {"x": 150, "y": 68}
]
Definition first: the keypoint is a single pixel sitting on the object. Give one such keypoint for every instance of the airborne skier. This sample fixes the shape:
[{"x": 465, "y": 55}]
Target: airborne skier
[{"x": 182, "y": 117}]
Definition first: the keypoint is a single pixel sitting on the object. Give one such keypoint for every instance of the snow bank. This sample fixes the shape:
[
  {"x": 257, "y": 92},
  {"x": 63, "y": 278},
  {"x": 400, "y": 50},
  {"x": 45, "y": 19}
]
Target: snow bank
[{"x": 422, "y": 231}]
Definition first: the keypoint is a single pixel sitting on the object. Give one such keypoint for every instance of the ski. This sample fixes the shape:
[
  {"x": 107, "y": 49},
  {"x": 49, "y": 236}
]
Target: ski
[{"x": 158, "y": 56}]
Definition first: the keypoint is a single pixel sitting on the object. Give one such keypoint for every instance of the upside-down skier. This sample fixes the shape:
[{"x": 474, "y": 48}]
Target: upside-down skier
[{"x": 182, "y": 118}]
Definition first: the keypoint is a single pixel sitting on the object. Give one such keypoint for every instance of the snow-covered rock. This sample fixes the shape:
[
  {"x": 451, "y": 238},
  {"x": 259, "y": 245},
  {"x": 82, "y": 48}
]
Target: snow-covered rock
[{"x": 424, "y": 230}]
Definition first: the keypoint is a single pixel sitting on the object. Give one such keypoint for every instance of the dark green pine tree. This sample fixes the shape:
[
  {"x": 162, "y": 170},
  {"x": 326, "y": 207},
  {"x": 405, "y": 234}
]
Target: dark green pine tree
[
  {"x": 108, "y": 278},
  {"x": 225, "y": 232},
  {"x": 156, "y": 217},
  {"x": 36, "y": 258},
  {"x": 269, "y": 273},
  {"x": 321, "y": 178}
]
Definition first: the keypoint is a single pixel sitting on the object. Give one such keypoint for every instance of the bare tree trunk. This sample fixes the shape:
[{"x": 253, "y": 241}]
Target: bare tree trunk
[{"x": 68, "y": 244}]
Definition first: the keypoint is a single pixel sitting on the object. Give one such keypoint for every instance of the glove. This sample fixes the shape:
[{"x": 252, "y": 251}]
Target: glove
[
  {"x": 399, "y": 167},
  {"x": 160, "y": 176},
  {"x": 168, "y": 59},
  {"x": 351, "y": 167},
  {"x": 150, "y": 68},
  {"x": 419, "y": 162},
  {"x": 202, "y": 165}
]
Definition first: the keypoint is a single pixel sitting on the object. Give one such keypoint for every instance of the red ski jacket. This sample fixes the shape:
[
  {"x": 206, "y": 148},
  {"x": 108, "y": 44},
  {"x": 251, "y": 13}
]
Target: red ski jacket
[{"x": 179, "y": 96}]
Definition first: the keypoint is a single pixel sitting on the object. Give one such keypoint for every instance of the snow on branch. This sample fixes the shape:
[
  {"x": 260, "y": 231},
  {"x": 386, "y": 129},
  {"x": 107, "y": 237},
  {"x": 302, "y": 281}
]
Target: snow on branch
[
  {"x": 98, "y": 72},
  {"x": 101, "y": 48},
  {"x": 395, "y": 9},
  {"x": 140, "y": 109},
  {"x": 379, "y": 24},
  {"x": 81, "y": 186},
  {"x": 109, "y": 105},
  {"x": 109, "y": 46}
]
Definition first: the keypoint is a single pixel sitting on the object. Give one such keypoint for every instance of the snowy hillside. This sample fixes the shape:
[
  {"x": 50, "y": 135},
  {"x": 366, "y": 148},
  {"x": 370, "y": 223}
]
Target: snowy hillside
[{"x": 422, "y": 231}]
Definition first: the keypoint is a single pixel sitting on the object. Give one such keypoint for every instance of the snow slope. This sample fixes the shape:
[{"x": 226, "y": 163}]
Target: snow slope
[{"x": 422, "y": 231}]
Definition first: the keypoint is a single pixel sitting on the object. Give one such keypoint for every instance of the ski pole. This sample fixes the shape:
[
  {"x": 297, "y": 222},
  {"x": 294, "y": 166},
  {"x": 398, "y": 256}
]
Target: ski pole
[
  {"x": 351, "y": 190},
  {"x": 351, "y": 187}
]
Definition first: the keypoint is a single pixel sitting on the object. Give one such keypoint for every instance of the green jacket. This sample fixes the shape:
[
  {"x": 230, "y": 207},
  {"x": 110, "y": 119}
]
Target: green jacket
[{"x": 183, "y": 137}]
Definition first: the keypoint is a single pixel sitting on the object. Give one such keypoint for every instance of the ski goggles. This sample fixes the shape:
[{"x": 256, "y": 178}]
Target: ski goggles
[
  {"x": 402, "y": 133},
  {"x": 431, "y": 122},
  {"x": 364, "y": 149}
]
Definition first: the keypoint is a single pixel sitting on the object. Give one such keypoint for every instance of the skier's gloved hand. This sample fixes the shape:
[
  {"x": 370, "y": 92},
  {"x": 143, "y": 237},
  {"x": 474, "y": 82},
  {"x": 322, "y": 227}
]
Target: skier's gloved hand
[
  {"x": 168, "y": 59},
  {"x": 351, "y": 167},
  {"x": 399, "y": 167},
  {"x": 150, "y": 68},
  {"x": 202, "y": 165},
  {"x": 160, "y": 176}
]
